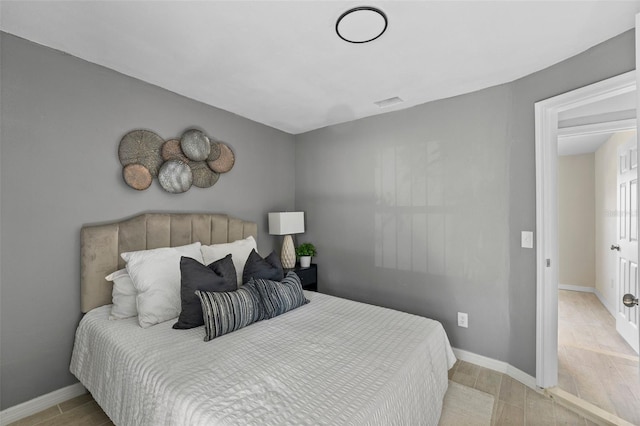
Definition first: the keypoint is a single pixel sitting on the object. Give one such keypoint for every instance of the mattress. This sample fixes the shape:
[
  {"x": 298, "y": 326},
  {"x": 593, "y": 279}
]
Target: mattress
[{"x": 329, "y": 362}]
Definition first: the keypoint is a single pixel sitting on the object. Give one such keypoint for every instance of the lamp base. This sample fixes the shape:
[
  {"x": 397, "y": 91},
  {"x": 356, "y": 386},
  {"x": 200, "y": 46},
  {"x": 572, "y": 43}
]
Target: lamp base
[{"x": 288, "y": 254}]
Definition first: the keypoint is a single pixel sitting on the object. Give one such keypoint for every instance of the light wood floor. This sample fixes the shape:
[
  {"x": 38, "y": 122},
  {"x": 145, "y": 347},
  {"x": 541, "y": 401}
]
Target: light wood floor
[
  {"x": 80, "y": 411},
  {"x": 514, "y": 404},
  {"x": 594, "y": 362}
]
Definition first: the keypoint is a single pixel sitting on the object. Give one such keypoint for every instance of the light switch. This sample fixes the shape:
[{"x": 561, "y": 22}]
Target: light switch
[{"x": 527, "y": 239}]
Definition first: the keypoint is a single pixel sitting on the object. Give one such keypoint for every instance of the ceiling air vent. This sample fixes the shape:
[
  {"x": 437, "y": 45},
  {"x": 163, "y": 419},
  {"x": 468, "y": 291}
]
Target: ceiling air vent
[{"x": 389, "y": 102}]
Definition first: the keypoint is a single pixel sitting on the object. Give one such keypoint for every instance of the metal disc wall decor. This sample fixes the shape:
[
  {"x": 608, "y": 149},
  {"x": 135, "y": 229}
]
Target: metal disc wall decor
[
  {"x": 225, "y": 162},
  {"x": 203, "y": 176},
  {"x": 141, "y": 147},
  {"x": 137, "y": 176},
  {"x": 195, "y": 145},
  {"x": 194, "y": 159},
  {"x": 175, "y": 176},
  {"x": 171, "y": 151},
  {"x": 214, "y": 154}
]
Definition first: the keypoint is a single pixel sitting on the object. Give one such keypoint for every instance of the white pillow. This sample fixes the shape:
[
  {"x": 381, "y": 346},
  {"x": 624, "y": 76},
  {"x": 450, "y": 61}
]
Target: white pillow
[
  {"x": 123, "y": 295},
  {"x": 239, "y": 250},
  {"x": 156, "y": 277}
]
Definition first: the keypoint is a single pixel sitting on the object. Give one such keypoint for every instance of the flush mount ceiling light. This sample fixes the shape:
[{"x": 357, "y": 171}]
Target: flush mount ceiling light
[{"x": 361, "y": 24}]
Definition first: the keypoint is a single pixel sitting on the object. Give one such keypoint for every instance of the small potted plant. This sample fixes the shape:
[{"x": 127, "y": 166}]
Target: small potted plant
[{"x": 305, "y": 251}]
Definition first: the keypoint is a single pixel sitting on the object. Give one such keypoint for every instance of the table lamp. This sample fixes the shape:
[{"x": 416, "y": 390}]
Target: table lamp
[{"x": 287, "y": 223}]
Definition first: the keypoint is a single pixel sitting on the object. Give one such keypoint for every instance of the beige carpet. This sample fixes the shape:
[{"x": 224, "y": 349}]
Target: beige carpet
[{"x": 466, "y": 406}]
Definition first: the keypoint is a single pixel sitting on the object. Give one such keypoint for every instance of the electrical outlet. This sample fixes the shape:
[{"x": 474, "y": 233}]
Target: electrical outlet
[{"x": 463, "y": 320}]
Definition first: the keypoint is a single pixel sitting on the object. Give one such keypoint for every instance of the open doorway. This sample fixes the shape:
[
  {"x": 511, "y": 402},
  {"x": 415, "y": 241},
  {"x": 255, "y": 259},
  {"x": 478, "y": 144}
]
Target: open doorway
[
  {"x": 581, "y": 108},
  {"x": 595, "y": 363}
]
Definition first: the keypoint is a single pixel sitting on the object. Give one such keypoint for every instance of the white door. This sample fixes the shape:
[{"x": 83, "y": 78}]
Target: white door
[
  {"x": 627, "y": 246},
  {"x": 634, "y": 296}
]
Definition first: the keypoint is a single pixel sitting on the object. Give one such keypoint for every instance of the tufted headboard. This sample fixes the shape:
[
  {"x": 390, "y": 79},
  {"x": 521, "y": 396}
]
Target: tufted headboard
[{"x": 101, "y": 245}]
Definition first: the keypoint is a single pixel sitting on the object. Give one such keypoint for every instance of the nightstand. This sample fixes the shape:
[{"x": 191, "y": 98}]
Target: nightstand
[{"x": 308, "y": 276}]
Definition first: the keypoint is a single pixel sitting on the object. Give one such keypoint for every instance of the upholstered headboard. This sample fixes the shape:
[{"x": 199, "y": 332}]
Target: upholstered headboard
[{"x": 101, "y": 245}]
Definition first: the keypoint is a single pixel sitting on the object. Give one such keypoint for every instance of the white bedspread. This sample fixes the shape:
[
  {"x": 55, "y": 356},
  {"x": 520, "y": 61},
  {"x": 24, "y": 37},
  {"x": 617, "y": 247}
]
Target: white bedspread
[{"x": 330, "y": 362}]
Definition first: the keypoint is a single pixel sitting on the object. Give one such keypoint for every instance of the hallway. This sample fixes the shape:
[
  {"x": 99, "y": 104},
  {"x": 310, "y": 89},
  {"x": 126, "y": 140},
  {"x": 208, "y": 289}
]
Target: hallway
[{"x": 594, "y": 362}]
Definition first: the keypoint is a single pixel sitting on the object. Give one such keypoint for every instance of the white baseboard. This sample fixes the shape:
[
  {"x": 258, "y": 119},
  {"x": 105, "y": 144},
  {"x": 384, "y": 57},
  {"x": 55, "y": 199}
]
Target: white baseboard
[
  {"x": 584, "y": 289},
  {"x": 605, "y": 303},
  {"x": 593, "y": 290},
  {"x": 40, "y": 403},
  {"x": 499, "y": 366}
]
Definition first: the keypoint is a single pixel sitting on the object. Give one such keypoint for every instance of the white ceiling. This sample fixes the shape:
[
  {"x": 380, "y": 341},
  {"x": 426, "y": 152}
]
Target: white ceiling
[
  {"x": 584, "y": 129},
  {"x": 281, "y": 63},
  {"x": 582, "y": 144}
]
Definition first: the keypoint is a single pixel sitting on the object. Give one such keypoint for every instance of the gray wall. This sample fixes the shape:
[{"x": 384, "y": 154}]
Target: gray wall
[
  {"x": 606, "y": 60},
  {"x": 421, "y": 209},
  {"x": 62, "y": 120}
]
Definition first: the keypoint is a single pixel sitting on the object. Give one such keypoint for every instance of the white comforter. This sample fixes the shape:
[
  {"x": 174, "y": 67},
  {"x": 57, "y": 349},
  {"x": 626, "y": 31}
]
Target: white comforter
[{"x": 330, "y": 362}]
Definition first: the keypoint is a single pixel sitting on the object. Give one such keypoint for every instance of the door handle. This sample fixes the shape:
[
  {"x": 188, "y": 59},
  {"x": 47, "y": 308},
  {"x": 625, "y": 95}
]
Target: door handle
[
  {"x": 629, "y": 300},
  {"x": 615, "y": 247}
]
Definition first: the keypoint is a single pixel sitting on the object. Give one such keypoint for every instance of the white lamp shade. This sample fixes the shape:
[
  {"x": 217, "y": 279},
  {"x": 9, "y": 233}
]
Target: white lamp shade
[{"x": 286, "y": 223}]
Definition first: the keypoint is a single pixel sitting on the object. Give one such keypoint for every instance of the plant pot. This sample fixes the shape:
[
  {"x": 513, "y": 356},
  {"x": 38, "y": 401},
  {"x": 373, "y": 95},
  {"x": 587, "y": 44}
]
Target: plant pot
[{"x": 305, "y": 261}]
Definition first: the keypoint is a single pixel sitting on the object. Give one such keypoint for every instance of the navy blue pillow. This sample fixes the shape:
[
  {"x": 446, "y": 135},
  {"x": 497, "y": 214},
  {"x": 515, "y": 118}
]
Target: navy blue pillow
[
  {"x": 269, "y": 268},
  {"x": 217, "y": 276}
]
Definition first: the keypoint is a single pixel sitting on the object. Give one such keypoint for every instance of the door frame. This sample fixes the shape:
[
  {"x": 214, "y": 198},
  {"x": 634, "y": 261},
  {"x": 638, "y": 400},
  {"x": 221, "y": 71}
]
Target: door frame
[{"x": 546, "y": 149}]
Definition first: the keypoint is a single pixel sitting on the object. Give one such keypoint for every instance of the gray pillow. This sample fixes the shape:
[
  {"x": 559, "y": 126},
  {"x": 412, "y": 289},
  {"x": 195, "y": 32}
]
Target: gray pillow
[
  {"x": 225, "y": 312},
  {"x": 280, "y": 297},
  {"x": 217, "y": 276},
  {"x": 269, "y": 268}
]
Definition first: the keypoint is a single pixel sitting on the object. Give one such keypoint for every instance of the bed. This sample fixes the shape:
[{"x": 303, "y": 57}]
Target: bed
[{"x": 331, "y": 361}]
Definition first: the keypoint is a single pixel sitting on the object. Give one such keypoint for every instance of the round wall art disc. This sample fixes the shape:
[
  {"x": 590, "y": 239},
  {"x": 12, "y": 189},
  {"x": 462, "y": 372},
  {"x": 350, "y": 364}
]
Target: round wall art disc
[
  {"x": 141, "y": 147},
  {"x": 215, "y": 151},
  {"x": 175, "y": 176},
  {"x": 137, "y": 176},
  {"x": 225, "y": 162},
  {"x": 171, "y": 151},
  {"x": 195, "y": 145},
  {"x": 203, "y": 176}
]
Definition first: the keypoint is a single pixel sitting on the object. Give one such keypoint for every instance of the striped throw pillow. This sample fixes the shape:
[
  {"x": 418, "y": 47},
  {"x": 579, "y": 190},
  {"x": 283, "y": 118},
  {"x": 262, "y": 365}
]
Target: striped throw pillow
[
  {"x": 280, "y": 297},
  {"x": 224, "y": 312}
]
